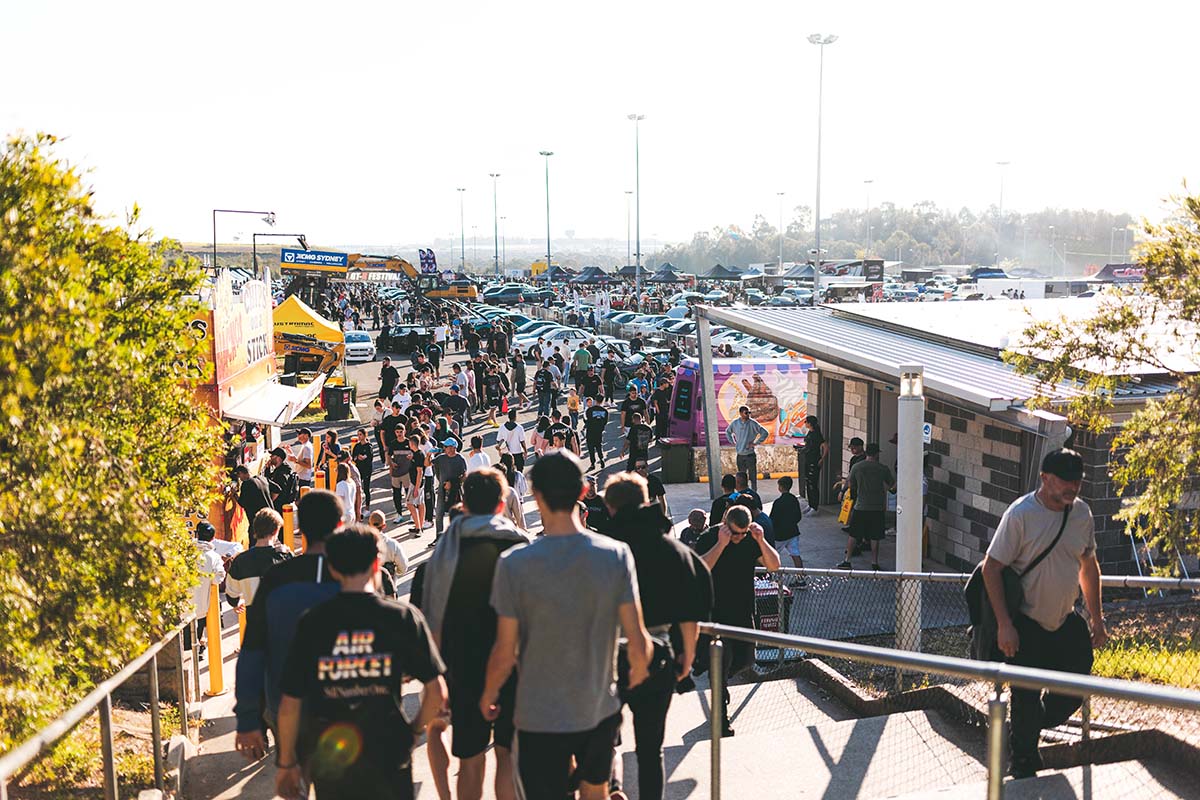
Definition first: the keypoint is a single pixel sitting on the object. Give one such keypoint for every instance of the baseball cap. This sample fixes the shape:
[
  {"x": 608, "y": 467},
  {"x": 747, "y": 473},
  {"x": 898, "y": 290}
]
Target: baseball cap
[
  {"x": 279, "y": 452},
  {"x": 856, "y": 442},
  {"x": 449, "y": 443},
  {"x": 305, "y": 431},
  {"x": 1065, "y": 464}
]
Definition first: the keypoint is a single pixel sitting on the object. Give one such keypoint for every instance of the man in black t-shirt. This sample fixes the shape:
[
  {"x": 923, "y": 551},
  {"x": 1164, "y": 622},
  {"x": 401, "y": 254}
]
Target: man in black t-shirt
[
  {"x": 343, "y": 682},
  {"x": 392, "y": 428},
  {"x": 609, "y": 373},
  {"x": 595, "y": 419},
  {"x": 433, "y": 351},
  {"x": 254, "y": 491},
  {"x": 590, "y": 384},
  {"x": 633, "y": 404},
  {"x": 457, "y": 405},
  {"x": 661, "y": 401},
  {"x": 423, "y": 365},
  {"x": 637, "y": 441},
  {"x": 388, "y": 378},
  {"x": 732, "y": 550},
  {"x": 655, "y": 491}
]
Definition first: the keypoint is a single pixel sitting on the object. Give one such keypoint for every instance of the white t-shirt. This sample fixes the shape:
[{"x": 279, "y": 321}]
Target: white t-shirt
[
  {"x": 347, "y": 491},
  {"x": 463, "y": 382},
  {"x": 404, "y": 399},
  {"x": 478, "y": 460},
  {"x": 514, "y": 440},
  {"x": 1025, "y": 530},
  {"x": 439, "y": 334},
  {"x": 304, "y": 453}
]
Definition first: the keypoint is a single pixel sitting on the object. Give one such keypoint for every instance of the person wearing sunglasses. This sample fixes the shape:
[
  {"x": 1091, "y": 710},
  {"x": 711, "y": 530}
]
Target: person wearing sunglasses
[{"x": 733, "y": 549}]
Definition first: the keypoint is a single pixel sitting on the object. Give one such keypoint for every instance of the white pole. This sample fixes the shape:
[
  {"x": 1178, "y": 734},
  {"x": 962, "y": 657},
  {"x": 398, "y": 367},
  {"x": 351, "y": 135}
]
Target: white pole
[
  {"x": 711, "y": 433},
  {"x": 910, "y": 423}
]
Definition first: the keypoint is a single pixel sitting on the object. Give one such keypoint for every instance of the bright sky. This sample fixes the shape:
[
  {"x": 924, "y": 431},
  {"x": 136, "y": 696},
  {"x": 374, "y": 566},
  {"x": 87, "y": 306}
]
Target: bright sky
[{"x": 355, "y": 122}]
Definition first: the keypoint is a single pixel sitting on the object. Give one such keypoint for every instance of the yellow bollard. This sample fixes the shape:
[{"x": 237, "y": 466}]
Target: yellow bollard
[
  {"x": 216, "y": 678},
  {"x": 319, "y": 479},
  {"x": 289, "y": 523}
]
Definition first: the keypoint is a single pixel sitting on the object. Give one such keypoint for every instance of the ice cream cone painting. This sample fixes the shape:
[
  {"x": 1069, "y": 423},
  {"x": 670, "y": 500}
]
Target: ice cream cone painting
[{"x": 776, "y": 392}]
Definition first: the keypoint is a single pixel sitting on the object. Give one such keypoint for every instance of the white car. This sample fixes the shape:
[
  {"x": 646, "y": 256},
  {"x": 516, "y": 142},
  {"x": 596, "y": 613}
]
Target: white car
[
  {"x": 359, "y": 346},
  {"x": 644, "y": 324}
]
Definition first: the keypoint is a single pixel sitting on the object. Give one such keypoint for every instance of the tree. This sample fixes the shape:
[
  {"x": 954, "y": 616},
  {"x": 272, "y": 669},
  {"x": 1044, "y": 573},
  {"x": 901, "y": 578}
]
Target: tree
[
  {"x": 1156, "y": 452},
  {"x": 104, "y": 446}
]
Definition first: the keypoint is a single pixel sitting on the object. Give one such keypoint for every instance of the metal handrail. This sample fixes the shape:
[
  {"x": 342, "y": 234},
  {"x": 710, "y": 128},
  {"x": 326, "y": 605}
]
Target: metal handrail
[
  {"x": 1106, "y": 581},
  {"x": 99, "y": 698},
  {"x": 1084, "y": 686},
  {"x": 987, "y": 671}
]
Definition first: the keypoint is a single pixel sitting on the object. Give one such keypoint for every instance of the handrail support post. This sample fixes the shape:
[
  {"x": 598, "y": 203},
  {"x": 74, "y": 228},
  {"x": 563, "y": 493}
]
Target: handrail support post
[{"x": 997, "y": 716}]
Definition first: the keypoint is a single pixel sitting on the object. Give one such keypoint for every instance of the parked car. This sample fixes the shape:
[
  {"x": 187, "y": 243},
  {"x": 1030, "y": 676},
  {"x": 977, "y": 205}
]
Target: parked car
[
  {"x": 643, "y": 323},
  {"x": 717, "y": 298},
  {"x": 533, "y": 326},
  {"x": 800, "y": 294},
  {"x": 504, "y": 296},
  {"x": 629, "y": 365},
  {"x": 755, "y": 297},
  {"x": 621, "y": 317},
  {"x": 782, "y": 300},
  {"x": 359, "y": 346}
]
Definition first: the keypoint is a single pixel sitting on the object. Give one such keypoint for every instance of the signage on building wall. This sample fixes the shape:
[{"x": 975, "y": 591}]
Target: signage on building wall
[{"x": 927, "y": 433}]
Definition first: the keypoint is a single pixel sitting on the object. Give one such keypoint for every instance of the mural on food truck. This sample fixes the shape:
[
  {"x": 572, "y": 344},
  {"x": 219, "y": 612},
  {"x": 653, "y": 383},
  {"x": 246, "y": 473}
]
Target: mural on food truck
[{"x": 776, "y": 390}]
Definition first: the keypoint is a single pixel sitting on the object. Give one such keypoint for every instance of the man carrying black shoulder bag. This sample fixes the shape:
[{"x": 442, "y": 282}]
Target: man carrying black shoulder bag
[{"x": 1042, "y": 555}]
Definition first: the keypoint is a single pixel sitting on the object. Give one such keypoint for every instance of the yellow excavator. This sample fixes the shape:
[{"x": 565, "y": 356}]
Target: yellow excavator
[
  {"x": 428, "y": 284},
  {"x": 309, "y": 355}
]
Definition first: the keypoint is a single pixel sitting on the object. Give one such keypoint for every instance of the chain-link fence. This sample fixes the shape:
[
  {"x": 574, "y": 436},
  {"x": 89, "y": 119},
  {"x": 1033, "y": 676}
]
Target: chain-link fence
[{"x": 1153, "y": 624}]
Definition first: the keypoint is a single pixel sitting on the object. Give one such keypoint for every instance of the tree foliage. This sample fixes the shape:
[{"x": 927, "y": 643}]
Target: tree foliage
[
  {"x": 103, "y": 446},
  {"x": 1156, "y": 452},
  {"x": 1056, "y": 241}
]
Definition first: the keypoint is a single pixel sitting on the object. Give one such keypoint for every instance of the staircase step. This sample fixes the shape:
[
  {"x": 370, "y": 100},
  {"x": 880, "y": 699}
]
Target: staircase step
[
  {"x": 872, "y": 757},
  {"x": 1123, "y": 780}
]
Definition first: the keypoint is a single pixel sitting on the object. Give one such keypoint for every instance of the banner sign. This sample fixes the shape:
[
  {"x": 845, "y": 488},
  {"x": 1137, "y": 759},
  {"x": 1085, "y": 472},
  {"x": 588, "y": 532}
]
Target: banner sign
[
  {"x": 242, "y": 327},
  {"x": 428, "y": 260},
  {"x": 311, "y": 260}
]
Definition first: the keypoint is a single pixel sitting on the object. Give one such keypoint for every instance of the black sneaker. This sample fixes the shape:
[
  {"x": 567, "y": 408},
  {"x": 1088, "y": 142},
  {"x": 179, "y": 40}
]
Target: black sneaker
[
  {"x": 727, "y": 730},
  {"x": 844, "y": 565}
]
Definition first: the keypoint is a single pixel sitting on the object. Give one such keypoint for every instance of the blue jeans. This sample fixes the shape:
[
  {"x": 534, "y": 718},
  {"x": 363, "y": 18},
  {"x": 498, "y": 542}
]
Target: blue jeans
[{"x": 545, "y": 399}]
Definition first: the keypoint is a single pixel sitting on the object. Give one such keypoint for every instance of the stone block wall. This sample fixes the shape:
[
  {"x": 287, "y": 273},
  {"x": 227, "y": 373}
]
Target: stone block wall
[
  {"x": 1112, "y": 542},
  {"x": 975, "y": 473}
]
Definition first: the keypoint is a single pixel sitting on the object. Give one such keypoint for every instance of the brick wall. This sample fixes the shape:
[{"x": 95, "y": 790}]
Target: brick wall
[{"x": 977, "y": 471}]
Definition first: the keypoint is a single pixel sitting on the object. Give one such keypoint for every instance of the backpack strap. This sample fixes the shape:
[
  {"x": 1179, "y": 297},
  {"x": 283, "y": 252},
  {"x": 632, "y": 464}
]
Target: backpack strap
[{"x": 1062, "y": 527}]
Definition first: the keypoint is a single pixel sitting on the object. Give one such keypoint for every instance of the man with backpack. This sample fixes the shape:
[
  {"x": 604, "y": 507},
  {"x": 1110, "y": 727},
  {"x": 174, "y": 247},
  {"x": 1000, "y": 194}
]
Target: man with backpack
[
  {"x": 543, "y": 384},
  {"x": 637, "y": 441},
  {"x": 1046, "y": 541},
  {"x": 455, "y": 596},
  {"x": 283, "y": 476},
  {"x": 254, "y": 491}
]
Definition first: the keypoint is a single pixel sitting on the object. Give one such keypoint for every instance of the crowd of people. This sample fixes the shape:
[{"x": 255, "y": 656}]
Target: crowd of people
[{"x": 532, "y": 645}]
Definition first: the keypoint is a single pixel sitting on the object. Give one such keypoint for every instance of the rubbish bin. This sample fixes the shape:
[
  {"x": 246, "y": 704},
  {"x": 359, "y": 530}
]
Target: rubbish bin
[
  {"x": 676, "y": 462},
  {"x": 336, "y": 402}
]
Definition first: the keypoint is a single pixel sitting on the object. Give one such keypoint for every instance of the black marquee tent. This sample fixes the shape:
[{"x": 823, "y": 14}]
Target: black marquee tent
[
  {"x": 720, "y": 273},
  {"x": 592, "y": 275},
  {"x": 667, "y": 276}
]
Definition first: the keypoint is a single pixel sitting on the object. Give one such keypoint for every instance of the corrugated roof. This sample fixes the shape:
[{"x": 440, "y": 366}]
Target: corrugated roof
[{"x": 952, "y": 373}]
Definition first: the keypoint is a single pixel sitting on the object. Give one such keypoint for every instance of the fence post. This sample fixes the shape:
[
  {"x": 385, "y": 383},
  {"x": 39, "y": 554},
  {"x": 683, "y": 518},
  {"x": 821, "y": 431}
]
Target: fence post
[
  {"x": 716, "y": 713},
  {"x": 1085, "y": 717},
  {"x": 216, "y": 663},
  {"x": 997, "y": 714},
  {"x": 196, "y": 659},
  {"x": 156, "y": 724},
  {"x": 781, "y": 615},
  {"x": 181, "y": 686},
  {"x": 106, "y": 749}
]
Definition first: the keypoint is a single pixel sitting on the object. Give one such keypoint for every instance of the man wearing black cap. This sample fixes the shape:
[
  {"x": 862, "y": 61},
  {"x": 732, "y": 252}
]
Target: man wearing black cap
[
  {"x": 280, "y": 474},
  {"x": 254, "y": 491},
  {"x": 449, "y": 469},
  {"x": 1048, "y": 537}
]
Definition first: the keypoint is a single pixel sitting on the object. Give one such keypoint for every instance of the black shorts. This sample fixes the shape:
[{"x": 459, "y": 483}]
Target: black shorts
[
  {"x": 496, "y": 402},
  {"x": 867, "y": 525},
  {"x": 544, "y": 759},
  {"x": 386, "y": 784},
  {"x": 470, "y": 732}
]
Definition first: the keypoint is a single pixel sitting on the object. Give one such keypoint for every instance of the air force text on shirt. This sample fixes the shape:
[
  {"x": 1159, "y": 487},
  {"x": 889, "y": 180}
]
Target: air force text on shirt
[{"x": 354, "y": 657}]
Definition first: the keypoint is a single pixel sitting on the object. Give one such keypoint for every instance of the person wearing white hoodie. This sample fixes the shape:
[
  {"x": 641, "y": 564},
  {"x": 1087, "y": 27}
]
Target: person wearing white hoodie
[
  {"x": 512, "y": 435},
  {"x": 212, "y": 572}
]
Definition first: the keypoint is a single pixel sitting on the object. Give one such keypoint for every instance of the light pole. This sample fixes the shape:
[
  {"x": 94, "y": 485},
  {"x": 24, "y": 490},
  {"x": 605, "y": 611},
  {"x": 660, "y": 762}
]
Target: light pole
[
  {"x": 1051, "y": 249},
  {"x": 628, "y": 251},
  {"x": 267, "y": 217},
  {"x": 637, "y": 186},
  {"x": 1124, "y": 245},
  {"x": 495, "y": 224},
  {"x": 867, "y": 249},
  {"x": 1112, "y": 242},
  {"x": 503, "y": 245},
  {"x": 820, "y": 41},
  {"x": 299, "y": 237},
  {"x": 780, "y": 194},
  {"x": 910, "y": 424},
  {"x": 462, "y": 232},
  {"x": 549, "y": 273},
  {"x": 1000, "y": 209},
  {"x": 474, "y": 244}
]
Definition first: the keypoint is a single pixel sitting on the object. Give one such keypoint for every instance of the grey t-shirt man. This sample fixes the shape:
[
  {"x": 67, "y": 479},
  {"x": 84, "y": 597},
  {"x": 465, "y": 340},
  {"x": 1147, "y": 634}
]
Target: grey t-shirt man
[
  {"x": 449, "y": 467},
  {"x": 745, "y": 434},
  {"x": 1026, "y": 529},
  {"x": 565, "y": 592},
  {"x": 869, "y": 484}
]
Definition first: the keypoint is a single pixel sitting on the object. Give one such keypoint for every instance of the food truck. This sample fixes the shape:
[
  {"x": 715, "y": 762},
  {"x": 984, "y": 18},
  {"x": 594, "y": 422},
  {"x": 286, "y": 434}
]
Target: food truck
[{"x": 775, "y": 389}]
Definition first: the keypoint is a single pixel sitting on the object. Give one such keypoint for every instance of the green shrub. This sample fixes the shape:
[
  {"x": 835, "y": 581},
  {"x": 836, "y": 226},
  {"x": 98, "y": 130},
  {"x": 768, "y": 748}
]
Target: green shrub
[{"x": 102, "y": 442}]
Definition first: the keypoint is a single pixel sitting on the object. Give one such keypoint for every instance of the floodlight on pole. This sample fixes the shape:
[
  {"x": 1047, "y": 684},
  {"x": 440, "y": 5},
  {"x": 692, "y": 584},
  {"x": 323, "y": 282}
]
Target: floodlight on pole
[
  {"x": 637, "y": 186},
  {"x": 495, "y": 223},
  {"x": 820, "y": 41},
  {"x": 1000, "y": 209},
  {"x": 267, "y": 217},
  {"x": 867, "y": 248},
  {"x": 549, "y": 272},
  {"x": 462, "y": 232},
  {"x": 780, "y": 194},
  {"x": 910, "y": 433}
]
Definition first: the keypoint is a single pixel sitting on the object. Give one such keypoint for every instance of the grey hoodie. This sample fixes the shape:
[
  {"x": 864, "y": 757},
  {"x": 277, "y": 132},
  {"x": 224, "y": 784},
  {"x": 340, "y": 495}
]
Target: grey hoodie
[{"x": 440, "y": 569}]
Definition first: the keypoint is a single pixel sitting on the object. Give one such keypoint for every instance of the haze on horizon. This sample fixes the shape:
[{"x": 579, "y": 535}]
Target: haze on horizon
[{"x": 358, "y": 124}]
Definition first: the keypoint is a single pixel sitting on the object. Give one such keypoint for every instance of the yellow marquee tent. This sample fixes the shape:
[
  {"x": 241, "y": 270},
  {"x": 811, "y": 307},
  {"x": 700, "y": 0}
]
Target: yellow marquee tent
[{"x": 294, "y": 316}]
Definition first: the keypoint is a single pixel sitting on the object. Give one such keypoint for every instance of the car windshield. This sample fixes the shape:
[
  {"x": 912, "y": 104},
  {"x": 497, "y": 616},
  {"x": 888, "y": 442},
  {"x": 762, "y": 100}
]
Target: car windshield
[{"x": 357, "y": 338}]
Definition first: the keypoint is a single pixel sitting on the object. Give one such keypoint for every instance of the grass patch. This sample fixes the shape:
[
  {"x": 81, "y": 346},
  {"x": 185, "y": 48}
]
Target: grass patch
[{"x": 1173, "y": 662}]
